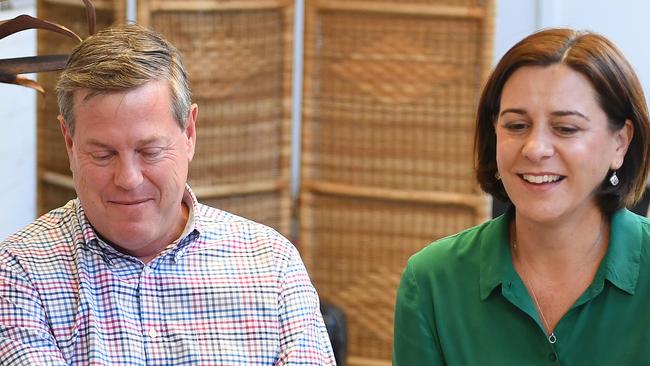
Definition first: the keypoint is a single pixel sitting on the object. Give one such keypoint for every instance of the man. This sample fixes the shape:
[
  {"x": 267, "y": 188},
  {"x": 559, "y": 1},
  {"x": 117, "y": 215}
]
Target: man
[{"x": 135, "y": 271}]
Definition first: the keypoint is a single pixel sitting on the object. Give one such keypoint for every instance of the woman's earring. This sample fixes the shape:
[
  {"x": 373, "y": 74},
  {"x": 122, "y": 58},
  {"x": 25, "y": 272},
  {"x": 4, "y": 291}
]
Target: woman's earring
[
  {"x": 497, "y": 175},
  {"x": 613, "y": 180}
]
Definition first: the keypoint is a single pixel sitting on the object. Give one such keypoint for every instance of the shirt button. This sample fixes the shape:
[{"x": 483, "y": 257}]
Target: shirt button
[
  {"x": 153, "y": 333},
  {"x": 552, "y": 357},
  {"x": 147, "y": 270}
]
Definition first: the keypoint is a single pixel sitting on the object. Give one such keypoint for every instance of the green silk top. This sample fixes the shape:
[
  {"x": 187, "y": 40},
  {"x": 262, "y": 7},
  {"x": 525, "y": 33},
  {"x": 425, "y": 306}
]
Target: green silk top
[{"x": 460, "y": 302}]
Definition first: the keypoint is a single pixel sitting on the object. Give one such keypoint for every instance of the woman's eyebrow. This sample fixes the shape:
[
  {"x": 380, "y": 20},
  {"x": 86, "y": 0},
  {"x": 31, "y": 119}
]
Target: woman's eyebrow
[
  {"x": 560, "y": 113},
  {"x": 513, "y": 110},
  {"x": 569, "y": 113}
]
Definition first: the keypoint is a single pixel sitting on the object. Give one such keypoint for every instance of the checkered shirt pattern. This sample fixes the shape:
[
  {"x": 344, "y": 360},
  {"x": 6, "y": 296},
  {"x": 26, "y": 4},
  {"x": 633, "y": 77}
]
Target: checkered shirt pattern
[{"x": 231, "y": 292}]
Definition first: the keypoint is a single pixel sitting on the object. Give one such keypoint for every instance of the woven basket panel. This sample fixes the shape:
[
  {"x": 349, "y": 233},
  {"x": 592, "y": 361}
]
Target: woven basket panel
[
  {"x": 359, "y": 250},
  {"x": 390, "y": 97},
  {"x": 433, "y": 2},
  {"x": 267, "y": 208},
  {"x": 52, "y": 156},
  {"x": 54, "y": 195},
  {"x": 395, "y": 101},
  {"x": 51, "y": 147},
  {"x": 235, "y": 63}
]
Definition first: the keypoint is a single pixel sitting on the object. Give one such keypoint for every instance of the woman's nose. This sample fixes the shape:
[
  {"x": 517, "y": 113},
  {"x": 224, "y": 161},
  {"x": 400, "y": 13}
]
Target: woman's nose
[{"x": 538, "y": 145}]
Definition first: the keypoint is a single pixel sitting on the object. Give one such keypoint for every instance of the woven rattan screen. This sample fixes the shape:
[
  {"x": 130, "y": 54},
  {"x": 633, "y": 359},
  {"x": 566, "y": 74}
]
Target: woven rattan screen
[
  {"x": 390, "y": 91},
  {"x": 238, "y": 55},
  {"x": 54, "y": 178}
]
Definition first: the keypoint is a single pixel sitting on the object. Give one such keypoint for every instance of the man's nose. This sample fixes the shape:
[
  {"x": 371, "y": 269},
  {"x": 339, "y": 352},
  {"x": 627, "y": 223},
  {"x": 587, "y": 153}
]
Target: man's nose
[{"x": 128, "y": 174}]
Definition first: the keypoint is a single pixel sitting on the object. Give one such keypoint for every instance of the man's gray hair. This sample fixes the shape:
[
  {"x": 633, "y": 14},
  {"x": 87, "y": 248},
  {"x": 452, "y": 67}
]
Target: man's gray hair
[{"x": 119, "y": 58}]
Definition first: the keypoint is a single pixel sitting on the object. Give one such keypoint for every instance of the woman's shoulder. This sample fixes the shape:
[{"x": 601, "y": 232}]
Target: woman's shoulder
[
  {"x": 627, "y": 223},
  {"x": 462, "y": 247}
]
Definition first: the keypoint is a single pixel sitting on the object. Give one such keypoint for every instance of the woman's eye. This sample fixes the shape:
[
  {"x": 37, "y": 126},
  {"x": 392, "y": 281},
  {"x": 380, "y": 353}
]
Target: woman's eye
[
  {"x": 566, "y": 130},
  {"x": 516, "y": 126}
]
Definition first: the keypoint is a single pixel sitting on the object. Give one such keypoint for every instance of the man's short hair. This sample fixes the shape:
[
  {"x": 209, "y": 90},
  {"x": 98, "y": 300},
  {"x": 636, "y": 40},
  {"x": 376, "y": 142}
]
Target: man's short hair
[{"x": 120, "y": 58}]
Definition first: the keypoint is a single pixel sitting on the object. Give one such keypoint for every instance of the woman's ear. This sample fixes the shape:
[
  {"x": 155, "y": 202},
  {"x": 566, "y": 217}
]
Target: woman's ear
[{"x": 623, "y": 138}]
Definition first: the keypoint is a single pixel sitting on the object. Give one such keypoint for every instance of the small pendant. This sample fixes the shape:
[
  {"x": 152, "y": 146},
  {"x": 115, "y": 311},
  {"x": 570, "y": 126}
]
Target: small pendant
[{"x": 552, "y": 339}]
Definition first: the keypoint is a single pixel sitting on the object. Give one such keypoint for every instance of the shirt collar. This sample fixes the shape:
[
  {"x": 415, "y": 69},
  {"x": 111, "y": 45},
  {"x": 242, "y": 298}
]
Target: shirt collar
[
  {"x": 621, "y": 263},
  {"x": 87, "y": 230},
  {"x": 495, "y": 257}
]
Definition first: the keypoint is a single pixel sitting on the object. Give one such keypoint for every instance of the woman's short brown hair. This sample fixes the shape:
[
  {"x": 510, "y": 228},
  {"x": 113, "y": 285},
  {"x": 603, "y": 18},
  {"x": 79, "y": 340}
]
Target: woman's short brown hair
[{"x": 618, "y": 92}]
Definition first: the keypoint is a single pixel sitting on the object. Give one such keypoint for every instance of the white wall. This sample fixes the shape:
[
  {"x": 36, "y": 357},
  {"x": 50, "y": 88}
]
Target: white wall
[
  {"x": 18, "y": 141},
  {"x": 623, "y": 21}
]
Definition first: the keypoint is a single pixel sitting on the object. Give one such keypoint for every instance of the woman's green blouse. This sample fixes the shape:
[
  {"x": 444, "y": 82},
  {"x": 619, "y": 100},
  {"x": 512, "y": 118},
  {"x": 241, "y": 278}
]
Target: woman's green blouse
[{"x": 460, "y": 302}]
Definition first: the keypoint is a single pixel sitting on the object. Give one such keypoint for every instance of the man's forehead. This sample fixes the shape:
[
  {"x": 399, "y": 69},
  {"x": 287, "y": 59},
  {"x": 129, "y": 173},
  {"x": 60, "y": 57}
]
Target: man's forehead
[{"x": 85, "y": 94}]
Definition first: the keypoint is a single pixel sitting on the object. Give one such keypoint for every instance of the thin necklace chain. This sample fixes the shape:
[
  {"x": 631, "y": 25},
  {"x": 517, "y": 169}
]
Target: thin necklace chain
[{"x": 551, "y": 337}]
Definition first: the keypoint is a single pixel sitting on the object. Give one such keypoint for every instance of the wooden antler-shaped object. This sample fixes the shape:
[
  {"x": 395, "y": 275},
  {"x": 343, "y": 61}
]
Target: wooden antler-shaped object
[{"x": 10, "y": 69}]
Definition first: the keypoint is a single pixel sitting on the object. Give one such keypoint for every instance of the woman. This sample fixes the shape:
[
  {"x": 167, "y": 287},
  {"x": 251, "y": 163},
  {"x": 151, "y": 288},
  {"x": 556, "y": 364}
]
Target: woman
[{"x": 564, "y": 276}]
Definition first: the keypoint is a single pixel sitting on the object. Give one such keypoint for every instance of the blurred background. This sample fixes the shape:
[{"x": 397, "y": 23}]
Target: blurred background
[
  {"x": 624, "y": 21},
  {"x": 346, "y": 125}
]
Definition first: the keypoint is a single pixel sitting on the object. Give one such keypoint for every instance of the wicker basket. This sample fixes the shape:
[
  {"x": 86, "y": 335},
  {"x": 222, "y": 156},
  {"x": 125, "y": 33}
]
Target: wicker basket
[
  {"x": 239, "y": 56},
  {"x": 53, "y": 170},
  {"x": 390, "y": 92}
]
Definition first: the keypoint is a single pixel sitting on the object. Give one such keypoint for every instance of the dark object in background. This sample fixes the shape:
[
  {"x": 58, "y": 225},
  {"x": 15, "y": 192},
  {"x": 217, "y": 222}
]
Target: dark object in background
[
  {"x": 12, "y": 68},
  {"x": 337, "y": 329},
  {"x": 641, "y": 207}
]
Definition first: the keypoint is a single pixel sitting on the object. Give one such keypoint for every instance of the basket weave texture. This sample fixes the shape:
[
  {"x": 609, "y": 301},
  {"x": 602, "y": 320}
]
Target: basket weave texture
[
  {"x": 238, "y": 55},
  {"x": 390, "y": 92}
]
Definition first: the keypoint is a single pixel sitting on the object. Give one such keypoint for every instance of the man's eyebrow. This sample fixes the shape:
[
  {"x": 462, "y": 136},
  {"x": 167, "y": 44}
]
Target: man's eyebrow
[
  {"x": 98, "y": 143},
  {"x": 150, "y": 140},
  {"x": 146, "y": 141}
]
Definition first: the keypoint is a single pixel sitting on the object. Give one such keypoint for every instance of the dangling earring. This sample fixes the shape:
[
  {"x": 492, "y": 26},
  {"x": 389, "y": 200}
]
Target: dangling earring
[
  {"x": 613, "y": 180},
  {"x": 497, "y": 175}
]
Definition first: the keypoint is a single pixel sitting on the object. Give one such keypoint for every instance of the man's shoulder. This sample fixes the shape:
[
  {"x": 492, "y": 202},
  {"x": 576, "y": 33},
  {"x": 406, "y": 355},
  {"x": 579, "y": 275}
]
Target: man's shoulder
[
  {"x": 238, "y": 233},
  {"x": 211, "y": 218},
  {"x": 46, "y": 232}
]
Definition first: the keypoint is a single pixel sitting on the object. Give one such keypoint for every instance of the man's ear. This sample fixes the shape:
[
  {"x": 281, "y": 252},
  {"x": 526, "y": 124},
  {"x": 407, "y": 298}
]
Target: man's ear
[
  {"x": 67, "y": 137},
  {"x": 190, "y": 130}
]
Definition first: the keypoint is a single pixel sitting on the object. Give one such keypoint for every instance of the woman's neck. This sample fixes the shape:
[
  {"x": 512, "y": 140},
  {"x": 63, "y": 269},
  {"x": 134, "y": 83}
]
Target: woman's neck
[{"x": 560, "y": 249}]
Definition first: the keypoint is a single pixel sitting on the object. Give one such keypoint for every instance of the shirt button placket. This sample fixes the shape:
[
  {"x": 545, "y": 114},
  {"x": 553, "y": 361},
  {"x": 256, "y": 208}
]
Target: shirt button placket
[
  {"x": 150, "y": 315},
  {"x": 552, "y": 357}
]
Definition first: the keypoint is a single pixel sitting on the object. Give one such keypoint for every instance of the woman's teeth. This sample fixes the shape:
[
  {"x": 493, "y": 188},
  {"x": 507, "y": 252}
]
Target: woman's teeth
[{"x": 537, "y": 179}]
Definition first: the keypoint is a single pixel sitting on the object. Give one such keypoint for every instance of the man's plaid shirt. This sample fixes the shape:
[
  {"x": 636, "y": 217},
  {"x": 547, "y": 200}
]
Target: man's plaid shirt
[{"x": 229, "y": 292}]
